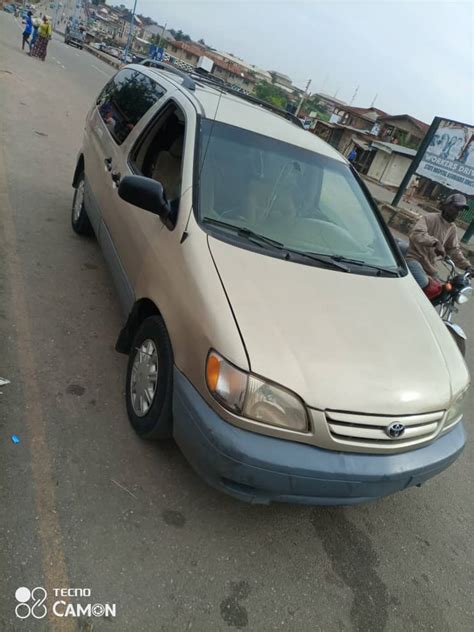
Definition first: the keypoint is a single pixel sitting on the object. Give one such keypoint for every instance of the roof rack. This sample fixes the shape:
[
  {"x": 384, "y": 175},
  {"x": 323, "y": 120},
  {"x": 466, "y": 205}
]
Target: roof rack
[
  {"x": 190, "y": 80},
  {"x": 187, "y": 81}
]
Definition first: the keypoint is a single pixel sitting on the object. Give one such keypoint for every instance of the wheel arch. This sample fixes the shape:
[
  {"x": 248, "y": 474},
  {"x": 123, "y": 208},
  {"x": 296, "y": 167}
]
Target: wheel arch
[
  {"x": 142, "y": 309},
  {"x": 79, "y": 169}
]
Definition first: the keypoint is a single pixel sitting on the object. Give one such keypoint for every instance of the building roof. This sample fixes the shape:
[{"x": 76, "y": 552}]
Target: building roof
[
  {"x": 229, "y": 66},
  {"x": 423, "y": 127},
  {"x": 247, "y": 66},
  {"x": 369, "y": 114},
  {"x": 392, "y": 148},
  {"x": 321, "y": 95},
  {"x": 280, "y": 75}
]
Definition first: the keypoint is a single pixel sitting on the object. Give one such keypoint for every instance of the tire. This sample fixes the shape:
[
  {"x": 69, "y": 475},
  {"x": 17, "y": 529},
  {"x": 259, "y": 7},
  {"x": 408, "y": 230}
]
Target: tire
[
  {"x": 461, "y": 343},
  {"x": 151, "y": 413},
  {"x": 79, "y": 220}
]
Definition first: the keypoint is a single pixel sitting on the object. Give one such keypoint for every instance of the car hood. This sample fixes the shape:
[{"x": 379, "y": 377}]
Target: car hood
[{"x": 341, "y": 340}]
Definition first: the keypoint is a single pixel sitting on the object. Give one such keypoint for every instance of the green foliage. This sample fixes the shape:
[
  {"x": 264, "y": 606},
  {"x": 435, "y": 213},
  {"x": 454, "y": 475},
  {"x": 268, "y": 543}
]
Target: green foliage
[
  {"x": 271, "y": 94},
  {"x": 179, "y": 36}
]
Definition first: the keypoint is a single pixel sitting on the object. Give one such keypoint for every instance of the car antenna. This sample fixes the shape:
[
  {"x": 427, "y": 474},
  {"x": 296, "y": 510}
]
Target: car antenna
[{"x": 185, "y": 232}]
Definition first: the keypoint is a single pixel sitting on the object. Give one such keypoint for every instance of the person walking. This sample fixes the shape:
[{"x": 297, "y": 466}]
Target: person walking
[
  {"x": 34, "y": 37},
  {"x": 44, "y": 35},
  {"x": 28, "y": 30}
]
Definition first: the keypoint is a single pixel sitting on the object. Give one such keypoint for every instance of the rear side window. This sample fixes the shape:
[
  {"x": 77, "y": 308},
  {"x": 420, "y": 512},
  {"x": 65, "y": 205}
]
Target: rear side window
[{"x": 125, "y": 99}]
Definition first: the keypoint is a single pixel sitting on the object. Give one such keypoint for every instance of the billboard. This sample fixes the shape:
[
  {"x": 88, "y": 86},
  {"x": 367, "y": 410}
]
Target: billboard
[{"x": 449, "y": 158}]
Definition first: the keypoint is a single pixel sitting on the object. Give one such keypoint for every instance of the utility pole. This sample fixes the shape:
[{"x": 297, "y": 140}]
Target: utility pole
[
  {"x": 373, "y": 101},
  {"x": 161, "y": 34},
  {"x": 129, "y": 40},
  {"x": 305, "y": 94},
  {"x": 354, "y": 95}
]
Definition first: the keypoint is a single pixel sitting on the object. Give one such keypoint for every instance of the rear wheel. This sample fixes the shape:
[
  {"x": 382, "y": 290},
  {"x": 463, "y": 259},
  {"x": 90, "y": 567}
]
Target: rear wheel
[
  {"x": 79, "y": 220},
  {"x": 149, "y": 384}
]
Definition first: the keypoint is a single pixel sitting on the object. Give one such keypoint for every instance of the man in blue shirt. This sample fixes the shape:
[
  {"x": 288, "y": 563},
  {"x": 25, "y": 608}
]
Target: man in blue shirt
[
  {"x": 28, "y": 30},
  {"x": 353, "y": 155}
]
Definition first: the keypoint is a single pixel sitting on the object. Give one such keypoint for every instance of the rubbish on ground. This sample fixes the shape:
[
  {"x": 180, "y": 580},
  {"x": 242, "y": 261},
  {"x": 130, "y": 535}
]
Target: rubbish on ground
[
  {"x": 122, "y": 487},
  {"x": 15, "y": 439},
  {"x": 40, "y": 133},
  {"x": 4, "y": 381}
]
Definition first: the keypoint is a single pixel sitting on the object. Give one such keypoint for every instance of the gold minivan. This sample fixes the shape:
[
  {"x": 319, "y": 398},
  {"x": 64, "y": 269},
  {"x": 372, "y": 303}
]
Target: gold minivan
[{"x": 271, "y": 325}]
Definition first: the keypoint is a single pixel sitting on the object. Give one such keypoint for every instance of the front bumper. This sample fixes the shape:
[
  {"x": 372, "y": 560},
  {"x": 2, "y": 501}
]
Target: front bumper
[{"x": 261, "y": 469}]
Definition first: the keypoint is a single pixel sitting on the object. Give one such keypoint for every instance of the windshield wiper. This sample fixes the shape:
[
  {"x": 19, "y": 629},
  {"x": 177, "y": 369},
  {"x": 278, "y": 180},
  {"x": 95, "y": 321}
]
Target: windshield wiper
[
  {"x": 245, "y": 232},
  {"x": 371, "y": 266},
  {"x": 327, "y": 260}
]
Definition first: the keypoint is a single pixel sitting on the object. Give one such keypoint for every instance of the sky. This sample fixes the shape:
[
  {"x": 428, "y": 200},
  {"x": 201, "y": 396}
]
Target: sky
[{"x": 415, "y": 57}]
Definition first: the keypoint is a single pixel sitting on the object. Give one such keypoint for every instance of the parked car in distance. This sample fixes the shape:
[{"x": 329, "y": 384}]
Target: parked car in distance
[
  {"x": 270, "y": 321},
  {"x": 74, "y": 37}
]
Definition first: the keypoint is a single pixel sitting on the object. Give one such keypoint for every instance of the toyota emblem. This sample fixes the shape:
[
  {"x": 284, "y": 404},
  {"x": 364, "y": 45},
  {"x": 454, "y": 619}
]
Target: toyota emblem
[{"x": 395, "y": 430}]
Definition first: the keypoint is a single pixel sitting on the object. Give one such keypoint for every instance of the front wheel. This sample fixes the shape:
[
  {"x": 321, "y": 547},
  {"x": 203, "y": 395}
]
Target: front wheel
[
  {"x": 79, "y": 220},
  {"x": 149, "y": 384}
]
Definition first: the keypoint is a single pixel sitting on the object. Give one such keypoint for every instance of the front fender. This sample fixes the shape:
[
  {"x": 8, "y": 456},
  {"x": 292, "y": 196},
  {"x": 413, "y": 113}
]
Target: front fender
[{"x": 459, "y": 331}]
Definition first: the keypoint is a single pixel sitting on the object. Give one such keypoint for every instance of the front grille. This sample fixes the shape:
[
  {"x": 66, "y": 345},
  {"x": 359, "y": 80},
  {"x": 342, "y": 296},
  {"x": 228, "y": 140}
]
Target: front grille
[{"x": 372, "y": 430}]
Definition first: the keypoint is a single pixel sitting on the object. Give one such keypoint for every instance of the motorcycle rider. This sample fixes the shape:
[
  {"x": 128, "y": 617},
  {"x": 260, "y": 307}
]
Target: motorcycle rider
[{"x": 434, "y": 236}]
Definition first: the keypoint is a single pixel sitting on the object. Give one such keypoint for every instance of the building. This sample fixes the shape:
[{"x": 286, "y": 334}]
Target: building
[
  {"x": 185, "y": 55},
  {"x": 327, "y": 103},
  {"x": 389, "y": 163},
  {"x": 259, "y": 74},
  {"x": 359, "y": 118},
  {"x": 403, "y": 128},
  {"x": 282, "y": 81}
]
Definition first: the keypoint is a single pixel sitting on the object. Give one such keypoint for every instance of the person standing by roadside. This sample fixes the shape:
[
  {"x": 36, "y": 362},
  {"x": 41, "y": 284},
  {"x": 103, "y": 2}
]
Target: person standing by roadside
[
  {"x": 44, "y": 35},
  {"x": 28, "y": 30},
  {"x": 34, "y": 37}
]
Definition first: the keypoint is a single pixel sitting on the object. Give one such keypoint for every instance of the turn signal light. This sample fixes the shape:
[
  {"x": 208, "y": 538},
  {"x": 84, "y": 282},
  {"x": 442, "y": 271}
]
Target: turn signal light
[{"x": 448, "y": 287}]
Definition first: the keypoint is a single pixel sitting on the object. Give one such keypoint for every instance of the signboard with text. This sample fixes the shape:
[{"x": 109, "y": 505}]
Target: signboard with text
[{"x": 449, "y": 158}]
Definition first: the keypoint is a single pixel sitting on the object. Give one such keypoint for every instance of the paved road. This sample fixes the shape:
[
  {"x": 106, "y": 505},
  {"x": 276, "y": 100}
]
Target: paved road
[{"x": 84, "y": 503}]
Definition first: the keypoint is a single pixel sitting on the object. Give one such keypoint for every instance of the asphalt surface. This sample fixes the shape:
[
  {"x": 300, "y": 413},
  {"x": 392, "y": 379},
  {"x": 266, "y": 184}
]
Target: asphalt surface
[{"x": 84, "y": 503}]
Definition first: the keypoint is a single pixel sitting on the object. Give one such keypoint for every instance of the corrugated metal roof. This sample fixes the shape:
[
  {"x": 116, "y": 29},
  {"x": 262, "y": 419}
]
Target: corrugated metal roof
[{"x": 394, "y": 148}]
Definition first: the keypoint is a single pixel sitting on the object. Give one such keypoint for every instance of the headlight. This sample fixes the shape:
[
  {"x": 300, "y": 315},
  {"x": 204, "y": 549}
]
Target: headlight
[
  {"x": 456, "y": 411},
  {"x": 464, "y": 295},
  {"x": 252, "y": 397}
]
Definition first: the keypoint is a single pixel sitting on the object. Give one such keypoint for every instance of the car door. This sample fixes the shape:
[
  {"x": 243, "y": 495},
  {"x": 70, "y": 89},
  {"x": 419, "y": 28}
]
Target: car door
[{"x": 154, "y": 149}]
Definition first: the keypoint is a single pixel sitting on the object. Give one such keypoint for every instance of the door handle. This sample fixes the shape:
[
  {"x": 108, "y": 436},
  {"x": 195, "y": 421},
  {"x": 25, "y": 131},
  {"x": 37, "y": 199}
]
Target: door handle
[
  {"x": 116, "y": 175},
  {"x": 108, "y": 163}
]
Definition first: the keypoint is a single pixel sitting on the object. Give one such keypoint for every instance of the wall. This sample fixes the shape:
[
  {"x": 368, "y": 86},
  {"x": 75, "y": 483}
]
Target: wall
[
  {"x": 379, "y": 164},
  {"x": 396, "y": 169}
]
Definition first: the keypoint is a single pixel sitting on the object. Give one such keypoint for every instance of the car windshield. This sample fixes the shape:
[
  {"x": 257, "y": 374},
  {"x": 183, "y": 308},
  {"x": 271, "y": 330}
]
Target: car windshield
[{"x": 304, "y": 200}]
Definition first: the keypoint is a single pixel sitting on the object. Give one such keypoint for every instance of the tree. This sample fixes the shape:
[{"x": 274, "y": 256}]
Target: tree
[
  {"x": 271, "y": 94},
  {"x": 202, "y": 42}
]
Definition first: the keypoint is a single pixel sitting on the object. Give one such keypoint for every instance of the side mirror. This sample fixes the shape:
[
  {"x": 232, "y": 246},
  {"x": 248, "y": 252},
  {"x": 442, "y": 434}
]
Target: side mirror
[{"x": 145, "y": 193}]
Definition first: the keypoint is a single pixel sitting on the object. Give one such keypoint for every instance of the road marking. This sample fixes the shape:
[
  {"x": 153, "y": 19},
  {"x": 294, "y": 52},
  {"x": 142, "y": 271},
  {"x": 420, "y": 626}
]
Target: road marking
[
  {"x": 55, "y": 571},
  {"x": 99, "y": 70}
]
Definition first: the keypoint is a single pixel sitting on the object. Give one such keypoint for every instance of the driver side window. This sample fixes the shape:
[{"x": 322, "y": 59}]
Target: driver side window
[{"x": 159, "y": 154}]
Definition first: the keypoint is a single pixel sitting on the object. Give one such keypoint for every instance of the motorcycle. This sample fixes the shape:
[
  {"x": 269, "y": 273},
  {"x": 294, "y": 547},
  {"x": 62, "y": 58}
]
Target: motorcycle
[{"x": 454, "y": 291}]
